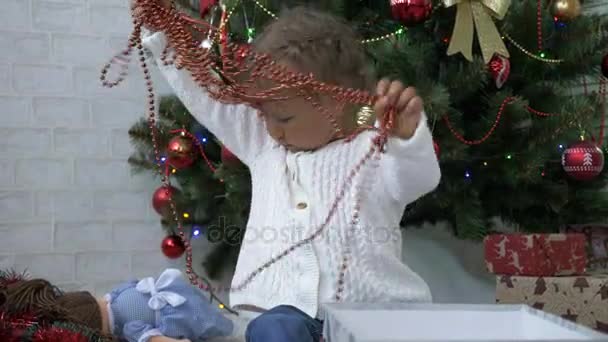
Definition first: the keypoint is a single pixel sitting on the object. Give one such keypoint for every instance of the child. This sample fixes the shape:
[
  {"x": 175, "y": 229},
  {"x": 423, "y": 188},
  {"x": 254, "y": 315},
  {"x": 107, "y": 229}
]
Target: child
[
  {"x": 167, "y": 309},
  {"x": 299, "y": 165}
]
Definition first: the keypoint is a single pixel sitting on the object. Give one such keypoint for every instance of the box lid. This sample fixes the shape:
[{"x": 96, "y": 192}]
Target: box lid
[{"x": 404, "y": 322}]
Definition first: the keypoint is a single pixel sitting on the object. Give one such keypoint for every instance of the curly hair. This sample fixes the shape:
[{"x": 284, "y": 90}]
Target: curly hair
[{"x": 317, "y": 42}]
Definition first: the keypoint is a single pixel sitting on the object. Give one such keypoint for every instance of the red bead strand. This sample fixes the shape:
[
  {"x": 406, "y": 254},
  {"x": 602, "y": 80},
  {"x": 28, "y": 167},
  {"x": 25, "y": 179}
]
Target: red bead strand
[
  {"x": 501, "y": 109},
  {"x": 539, "y": 24},
  {"x": 487, "y": 135}
]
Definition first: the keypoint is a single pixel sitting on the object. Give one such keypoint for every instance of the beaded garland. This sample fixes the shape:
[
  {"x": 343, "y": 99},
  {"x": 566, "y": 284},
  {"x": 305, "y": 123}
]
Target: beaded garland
[{"x": 236, "y": 64}]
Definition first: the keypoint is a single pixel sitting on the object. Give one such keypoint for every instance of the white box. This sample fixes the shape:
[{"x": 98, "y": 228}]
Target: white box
[{"x": 403, "y": 322}]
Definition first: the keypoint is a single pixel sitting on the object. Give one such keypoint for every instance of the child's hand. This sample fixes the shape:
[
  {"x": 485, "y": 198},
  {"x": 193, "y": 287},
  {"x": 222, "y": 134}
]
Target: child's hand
[{"x": 407, "y": 104}]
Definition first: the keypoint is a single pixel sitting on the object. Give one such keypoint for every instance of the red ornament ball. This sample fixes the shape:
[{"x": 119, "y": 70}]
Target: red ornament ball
[
  {"x": 411, "y": 12},
  {"x": 161, "y": 200},
  {"x": 605, "y": 66},
  {"x": 500, "y": 67},
  {"x": 180, "y": 152},
  {"x": 437, "y": 148},
  {"x": 583, "y": 161},
  {"x": 173, "y": 247},
  {"x": 228, "y": 158}
]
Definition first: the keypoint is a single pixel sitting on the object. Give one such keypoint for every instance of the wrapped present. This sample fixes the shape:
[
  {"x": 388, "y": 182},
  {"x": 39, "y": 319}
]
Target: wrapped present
[
  {"x": 536, "y": 254},
  {"x": 582, "y": 299},
  {"x": 597, "y": 244}
]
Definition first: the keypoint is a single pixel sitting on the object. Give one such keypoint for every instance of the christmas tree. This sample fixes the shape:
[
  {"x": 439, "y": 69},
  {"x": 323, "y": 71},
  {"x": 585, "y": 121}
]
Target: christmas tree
[
  {"x": 212, "y": 187},
  {"x": 513, "y": 138}
]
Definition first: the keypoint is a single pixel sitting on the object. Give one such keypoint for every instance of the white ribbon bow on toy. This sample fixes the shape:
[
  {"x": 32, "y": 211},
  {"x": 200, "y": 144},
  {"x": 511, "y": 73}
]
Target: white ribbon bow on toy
[{"x": 160, "y": 298}]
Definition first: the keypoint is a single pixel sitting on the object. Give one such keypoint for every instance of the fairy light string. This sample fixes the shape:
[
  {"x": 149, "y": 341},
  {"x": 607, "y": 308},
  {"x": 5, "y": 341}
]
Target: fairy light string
[
  {"x": 540, "y": 58},
  {"x": 250, "y": 31}
]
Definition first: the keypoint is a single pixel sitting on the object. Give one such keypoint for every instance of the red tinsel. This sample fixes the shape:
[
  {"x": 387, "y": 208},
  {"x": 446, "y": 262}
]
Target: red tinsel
[
  {"x": 26, "y": 328},
  {"x": 54, "y": 334},
  {"x": 13, "y": 328},
  {"x": 10, "y": 277}
]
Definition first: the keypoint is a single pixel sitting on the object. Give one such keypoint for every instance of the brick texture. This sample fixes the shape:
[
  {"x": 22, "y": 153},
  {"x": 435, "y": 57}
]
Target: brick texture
[
  {"x": 5, "y": 80},
  {"x": 24, "y": 47},
  {"x": 70, "y": 208}
]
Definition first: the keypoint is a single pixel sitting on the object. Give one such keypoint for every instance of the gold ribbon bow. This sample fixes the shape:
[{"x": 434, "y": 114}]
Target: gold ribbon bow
[{"x": 477, "y": 15}]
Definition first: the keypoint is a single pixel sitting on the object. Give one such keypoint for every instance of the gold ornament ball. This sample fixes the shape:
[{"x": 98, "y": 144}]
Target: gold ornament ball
[
  {"x": 366, "y": 116},
  {"x": 566, "y": 10}
]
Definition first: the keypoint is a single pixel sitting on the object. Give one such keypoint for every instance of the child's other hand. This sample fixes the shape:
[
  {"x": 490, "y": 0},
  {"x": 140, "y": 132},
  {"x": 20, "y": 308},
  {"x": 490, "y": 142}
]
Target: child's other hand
[{"x": 407, "y": 104}]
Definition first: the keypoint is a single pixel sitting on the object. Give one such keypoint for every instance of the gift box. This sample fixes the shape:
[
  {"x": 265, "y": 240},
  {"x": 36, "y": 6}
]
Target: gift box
[
  {"x": 597, "y": 244},
  {"x": 582, "y": 299},
  {"x": 403, "y": 322},
  {"x": 536, "y": 254}
]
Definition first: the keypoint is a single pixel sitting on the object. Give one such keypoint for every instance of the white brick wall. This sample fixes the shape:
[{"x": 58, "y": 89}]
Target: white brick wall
[{"x": 70, "y": 209}]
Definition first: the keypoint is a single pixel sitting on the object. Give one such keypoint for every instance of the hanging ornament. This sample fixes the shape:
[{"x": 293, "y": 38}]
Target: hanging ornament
[
  {"x": 228, "y": 158},
  {"x": 566, "y": 10},
  {"x": 437, "y": 148},
  {"x": 500, "y": 67},
  {"x": 477, "y": 16},
  {"x": 161, "y": 200},
  {"x": 180, "y": 152},
  {"x": 605, "y": 66},
  {"x": 173, "y": 247},
  {"x": 583, "y": 161},
  {"x": 411, "y": 12}
]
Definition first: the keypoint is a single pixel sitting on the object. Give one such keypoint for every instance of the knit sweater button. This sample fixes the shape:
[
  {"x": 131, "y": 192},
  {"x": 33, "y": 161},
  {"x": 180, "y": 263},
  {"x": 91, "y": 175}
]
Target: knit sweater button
[{"x": 302, "y": 205}]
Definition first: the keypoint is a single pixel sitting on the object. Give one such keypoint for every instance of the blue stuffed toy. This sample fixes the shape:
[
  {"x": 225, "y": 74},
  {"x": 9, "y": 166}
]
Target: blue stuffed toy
[{"x": 164, "y": 307}]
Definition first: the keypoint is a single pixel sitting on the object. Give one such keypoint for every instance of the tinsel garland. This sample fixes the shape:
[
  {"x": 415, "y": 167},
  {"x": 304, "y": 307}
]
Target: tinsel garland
[{"x": 27, "y": 328}]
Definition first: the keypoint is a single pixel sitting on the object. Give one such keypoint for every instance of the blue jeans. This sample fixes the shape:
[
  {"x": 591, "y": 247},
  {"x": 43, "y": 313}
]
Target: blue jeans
[{"x": 284, "y": 323}]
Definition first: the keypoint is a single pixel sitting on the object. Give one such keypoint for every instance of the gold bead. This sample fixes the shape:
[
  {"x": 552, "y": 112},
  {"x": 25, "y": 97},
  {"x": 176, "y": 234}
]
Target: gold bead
[{"x": 365, "y": 116}]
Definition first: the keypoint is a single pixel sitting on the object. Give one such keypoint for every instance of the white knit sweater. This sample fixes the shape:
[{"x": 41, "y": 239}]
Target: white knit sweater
[{"x": 292, "y": 194}]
